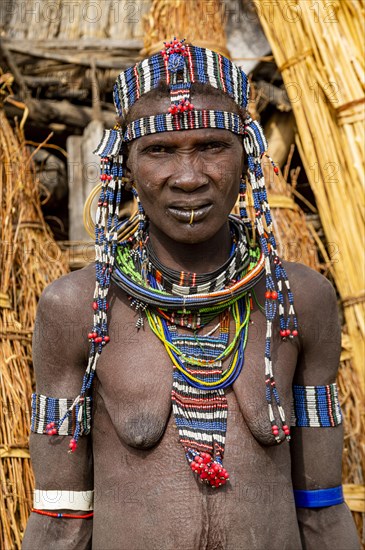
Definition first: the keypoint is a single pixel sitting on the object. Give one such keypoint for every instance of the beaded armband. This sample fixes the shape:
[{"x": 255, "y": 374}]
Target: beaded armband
[
  {"x": 316, "y": 406},
  {"x": 57, "y": 416}
]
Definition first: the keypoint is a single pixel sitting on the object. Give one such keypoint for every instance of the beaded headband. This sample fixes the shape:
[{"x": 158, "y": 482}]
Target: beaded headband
[{"x": 179, "y": 65}]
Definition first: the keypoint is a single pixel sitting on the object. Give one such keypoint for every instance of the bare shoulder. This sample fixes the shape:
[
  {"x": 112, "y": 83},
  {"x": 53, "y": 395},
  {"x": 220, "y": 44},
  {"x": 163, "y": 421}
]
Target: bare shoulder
[
  {"x": 313, "y": 293},
  {"x": 69, "y": 291},
  {"x": 318, "y": 325},
  {"x": 60, "y": 343}
]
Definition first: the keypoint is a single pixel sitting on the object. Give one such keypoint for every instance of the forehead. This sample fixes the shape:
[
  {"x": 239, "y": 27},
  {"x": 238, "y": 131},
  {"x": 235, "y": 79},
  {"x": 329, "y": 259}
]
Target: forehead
[{"x": 187, "y": 138}]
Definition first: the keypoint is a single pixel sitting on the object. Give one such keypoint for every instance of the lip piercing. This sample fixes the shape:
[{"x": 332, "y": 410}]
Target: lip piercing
[{"x": 191, "y": 218}]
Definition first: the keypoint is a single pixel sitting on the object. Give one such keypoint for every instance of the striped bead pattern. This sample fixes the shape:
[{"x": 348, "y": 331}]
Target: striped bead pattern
[
  {"x": 183, "y": 121},
  {"x": 203, "y": 66},
  {"x": 201, "y": 414},
  {"x": 316, "y": 406},
  {"x": 60, "y": 411}
]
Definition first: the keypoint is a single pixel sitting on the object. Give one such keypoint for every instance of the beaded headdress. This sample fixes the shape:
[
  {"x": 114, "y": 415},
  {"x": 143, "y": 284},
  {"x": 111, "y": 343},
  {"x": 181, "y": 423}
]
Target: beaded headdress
[{"x": 179, "y": 65}]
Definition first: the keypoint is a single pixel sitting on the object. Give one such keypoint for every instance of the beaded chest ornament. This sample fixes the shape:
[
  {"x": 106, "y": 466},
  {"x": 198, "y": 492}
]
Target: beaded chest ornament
[{"x": 198, "y": 361}]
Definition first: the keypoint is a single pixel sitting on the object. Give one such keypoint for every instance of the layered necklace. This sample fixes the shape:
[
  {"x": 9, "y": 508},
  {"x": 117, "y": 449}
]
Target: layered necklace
[{"x": 178, "y": 307}]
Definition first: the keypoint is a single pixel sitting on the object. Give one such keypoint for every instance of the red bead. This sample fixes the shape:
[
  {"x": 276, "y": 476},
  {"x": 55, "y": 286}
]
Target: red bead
[
  {"x": 106, "y": 339},
  {"x": 274, "y": 295},
  {"x": 95, "y": 306},
  {"x": 276, "y": 169},
  {"x": 283, "y": 333},
  {"x": 294, "y": 332},
  {"x": 268, "y": 294},
  {"x": 72, "y": 444},
  {"x": 103, "y": 177},
  {"x": 98, "y": 340},
  {"x": 287, "y": 332}
]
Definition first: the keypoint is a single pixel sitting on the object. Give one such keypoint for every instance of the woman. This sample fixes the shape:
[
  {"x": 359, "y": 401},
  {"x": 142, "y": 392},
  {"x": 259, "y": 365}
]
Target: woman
[{"x": 189, "y": 368}]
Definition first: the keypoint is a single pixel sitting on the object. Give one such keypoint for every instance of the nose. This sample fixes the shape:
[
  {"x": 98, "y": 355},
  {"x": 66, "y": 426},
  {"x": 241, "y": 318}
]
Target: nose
[{"x": 189, "y": 175}]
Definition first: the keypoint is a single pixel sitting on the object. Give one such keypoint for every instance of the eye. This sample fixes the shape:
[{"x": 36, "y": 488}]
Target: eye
[
  {"x": 157, "y": 149},
  {"x": 213, "y": 145}
]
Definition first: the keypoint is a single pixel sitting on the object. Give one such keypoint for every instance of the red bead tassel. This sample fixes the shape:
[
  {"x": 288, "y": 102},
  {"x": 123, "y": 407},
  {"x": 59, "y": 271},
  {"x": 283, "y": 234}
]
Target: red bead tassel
[{"x": 208, "y": 470}]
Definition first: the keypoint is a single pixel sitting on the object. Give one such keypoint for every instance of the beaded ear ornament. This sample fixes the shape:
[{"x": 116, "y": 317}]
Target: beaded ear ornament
[{"x": 129, "y": 261}]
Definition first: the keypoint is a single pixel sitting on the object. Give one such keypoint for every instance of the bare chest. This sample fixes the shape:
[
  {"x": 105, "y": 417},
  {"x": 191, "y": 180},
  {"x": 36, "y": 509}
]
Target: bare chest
[{"x": 135, "y": 381}]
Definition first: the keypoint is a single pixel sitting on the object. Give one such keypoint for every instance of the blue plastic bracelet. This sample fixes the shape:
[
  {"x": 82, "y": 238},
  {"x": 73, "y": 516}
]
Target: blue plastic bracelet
[{"x": 318, "y": 497}]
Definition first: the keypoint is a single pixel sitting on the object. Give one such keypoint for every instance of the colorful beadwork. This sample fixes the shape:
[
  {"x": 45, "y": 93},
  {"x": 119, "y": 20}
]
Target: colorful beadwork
[
  {"x": 57, "y": 416},
  {"x": 192, "y": 120},
  {"x": 199, "y": 402},
  {"x": 197, "y": 65},
  {"x": 191, "y": 304},
  {"x": 201, "y": 415},
  {"x": 316, "y": 406}
]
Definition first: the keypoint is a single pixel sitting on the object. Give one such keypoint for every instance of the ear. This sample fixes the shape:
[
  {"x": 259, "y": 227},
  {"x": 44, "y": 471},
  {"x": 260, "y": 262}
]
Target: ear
[{"x": 127, "y": 174}]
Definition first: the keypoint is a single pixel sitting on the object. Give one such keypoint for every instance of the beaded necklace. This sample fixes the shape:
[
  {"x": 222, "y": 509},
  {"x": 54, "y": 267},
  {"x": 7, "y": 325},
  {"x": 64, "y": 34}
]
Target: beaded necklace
[
  {"x": 199, "y": 402},
  {"x": 198, "y": 399},
  {"x": 192, "y": 306}
]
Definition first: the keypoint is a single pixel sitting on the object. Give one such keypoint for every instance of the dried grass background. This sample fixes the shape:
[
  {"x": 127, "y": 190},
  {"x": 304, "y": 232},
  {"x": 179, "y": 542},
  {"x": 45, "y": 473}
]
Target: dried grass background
[{"x": 29, "y": 261}]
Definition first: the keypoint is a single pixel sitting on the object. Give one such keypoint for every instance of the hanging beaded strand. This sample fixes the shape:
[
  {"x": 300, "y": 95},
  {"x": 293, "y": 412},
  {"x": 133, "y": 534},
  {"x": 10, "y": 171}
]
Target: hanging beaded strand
[
  {"x": 255, "y": 145},
  {"x": 107, "y": 217},
  {"x": 201, "y": 415}
]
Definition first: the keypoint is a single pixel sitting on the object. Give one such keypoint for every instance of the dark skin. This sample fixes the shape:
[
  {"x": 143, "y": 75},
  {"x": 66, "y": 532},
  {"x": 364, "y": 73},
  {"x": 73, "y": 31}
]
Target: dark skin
[{"x": 145, "y": 494}]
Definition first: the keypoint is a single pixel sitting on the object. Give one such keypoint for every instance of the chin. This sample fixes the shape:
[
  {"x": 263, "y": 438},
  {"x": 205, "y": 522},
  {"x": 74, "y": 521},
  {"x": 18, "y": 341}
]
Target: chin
[{"x": 193, "y": 234}]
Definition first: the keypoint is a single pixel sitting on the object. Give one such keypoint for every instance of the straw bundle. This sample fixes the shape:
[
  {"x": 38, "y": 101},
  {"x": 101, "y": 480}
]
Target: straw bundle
[
  {"x": 353, "y": 465},
  {"x": 198, "y": 21},
  {"x": 320, "y": 55},
  {"x": 26, "y": 270},
  {"x": 320, "y": 51}
]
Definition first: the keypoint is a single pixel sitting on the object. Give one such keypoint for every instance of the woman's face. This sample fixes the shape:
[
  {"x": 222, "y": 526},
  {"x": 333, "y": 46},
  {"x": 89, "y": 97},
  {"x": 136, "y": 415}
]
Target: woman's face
[{"x": 187, "y": 181}]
